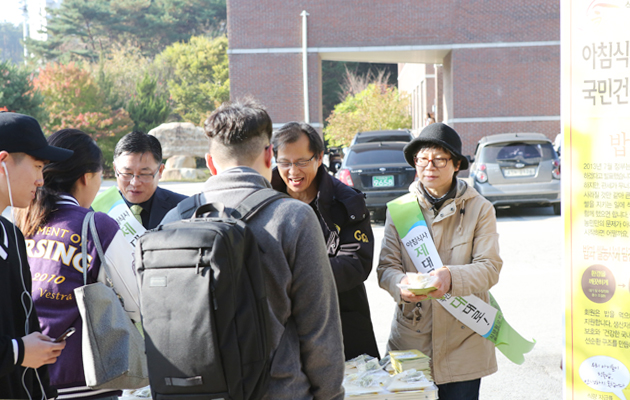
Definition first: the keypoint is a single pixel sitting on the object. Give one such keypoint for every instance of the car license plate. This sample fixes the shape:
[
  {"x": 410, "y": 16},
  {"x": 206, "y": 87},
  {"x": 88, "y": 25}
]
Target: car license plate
[
  {"x": 519, "y": 172},
  {"x": 383, "y": 181}
]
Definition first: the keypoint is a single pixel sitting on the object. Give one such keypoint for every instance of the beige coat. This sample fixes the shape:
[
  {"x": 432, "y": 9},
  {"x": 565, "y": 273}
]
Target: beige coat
[{"x": 465, "y": 235}]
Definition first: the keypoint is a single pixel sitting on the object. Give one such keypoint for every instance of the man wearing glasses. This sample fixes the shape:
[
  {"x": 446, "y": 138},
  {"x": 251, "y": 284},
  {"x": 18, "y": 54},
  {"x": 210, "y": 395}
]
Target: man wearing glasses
[
  {"x": 344, "y": 221},
  {"x": 138, "y": 167}
]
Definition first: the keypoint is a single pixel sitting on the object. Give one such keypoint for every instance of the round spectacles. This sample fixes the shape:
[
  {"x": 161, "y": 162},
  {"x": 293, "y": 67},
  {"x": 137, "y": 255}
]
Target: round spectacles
[
  {"x": 437, "y": 162},
  {"x": 144, "y": 178},
  {"x": 298, "y": 164}
]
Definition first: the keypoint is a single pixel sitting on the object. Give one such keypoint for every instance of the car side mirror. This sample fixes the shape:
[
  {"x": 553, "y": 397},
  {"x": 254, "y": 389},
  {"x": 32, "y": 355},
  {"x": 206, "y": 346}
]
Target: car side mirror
[{"x": 470, "y": 159}]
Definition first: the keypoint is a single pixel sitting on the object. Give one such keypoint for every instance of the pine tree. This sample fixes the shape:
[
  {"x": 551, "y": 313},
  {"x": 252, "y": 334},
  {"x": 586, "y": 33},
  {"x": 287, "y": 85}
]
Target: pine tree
[
  {"x": 10, "y": 46},
  {"x": 17, "y": 93},
  {"x": 88, "y": 29},
  {"x": 146, "y": 109}
]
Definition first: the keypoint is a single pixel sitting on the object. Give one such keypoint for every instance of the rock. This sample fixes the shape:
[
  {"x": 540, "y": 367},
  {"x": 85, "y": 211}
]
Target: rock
[
  {"x": 181, "y": 138},
  {"x": 175, "y": 162},
  {"x": 184, "y": 174}
]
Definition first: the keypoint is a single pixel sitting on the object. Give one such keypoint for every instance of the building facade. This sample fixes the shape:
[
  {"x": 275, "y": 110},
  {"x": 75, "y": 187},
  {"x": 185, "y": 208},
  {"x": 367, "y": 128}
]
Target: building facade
[{"x": 483, "y": 67}]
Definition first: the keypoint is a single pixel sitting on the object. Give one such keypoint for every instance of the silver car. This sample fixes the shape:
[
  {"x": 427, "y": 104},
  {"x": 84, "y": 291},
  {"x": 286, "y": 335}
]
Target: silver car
[{"x": 517, "y": 169}]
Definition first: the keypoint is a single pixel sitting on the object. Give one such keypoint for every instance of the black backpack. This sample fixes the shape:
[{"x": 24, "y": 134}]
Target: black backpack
[{"x": 204, "y": 305}]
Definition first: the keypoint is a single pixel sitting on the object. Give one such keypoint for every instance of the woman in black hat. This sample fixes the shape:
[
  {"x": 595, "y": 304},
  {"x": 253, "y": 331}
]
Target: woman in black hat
[{"x": 463, "y": 227}]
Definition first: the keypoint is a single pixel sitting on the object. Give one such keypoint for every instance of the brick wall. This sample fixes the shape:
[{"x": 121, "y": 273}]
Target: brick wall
[
  {"x": 276, "y": 81},
  {"x": 481, "y": 82},
  {"x": 504, "y": 82},
  {"x": 277, "y": 23}
]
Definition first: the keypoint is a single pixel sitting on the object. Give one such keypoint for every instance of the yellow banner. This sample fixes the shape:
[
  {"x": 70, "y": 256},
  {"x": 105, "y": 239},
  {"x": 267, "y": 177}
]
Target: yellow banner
[{"x": 596, "y": 197}]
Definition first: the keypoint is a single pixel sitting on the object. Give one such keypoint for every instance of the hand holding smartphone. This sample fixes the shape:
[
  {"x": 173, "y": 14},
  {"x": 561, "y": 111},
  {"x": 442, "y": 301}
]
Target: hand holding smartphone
[{"x": 65, "y": 335}]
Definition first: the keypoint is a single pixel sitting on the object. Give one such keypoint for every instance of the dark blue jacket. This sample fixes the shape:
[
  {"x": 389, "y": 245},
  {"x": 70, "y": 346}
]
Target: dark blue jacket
[{"x": 163, "y": 201}]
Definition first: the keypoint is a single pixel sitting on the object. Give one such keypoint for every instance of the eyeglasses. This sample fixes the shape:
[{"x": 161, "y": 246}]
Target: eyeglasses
[
  {"x": 298, "y": 164},
  {"x": 437, "y": 162},
  {"x": 144, "y": 178}
]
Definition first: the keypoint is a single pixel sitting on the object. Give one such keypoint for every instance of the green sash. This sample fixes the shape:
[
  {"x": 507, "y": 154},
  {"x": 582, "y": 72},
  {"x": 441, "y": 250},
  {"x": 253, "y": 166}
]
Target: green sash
[{"x": 111, "y": 203}]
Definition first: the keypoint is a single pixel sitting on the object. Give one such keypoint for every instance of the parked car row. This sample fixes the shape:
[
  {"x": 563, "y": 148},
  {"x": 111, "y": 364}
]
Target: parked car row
[{"x": 508, "y": 169}]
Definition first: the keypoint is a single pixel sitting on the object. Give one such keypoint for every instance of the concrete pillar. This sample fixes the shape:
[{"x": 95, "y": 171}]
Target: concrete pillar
[
  {"x": 429, "y": 95},
  {"x": 447, "y": 88},
  {"x": 439, "y": 94}
]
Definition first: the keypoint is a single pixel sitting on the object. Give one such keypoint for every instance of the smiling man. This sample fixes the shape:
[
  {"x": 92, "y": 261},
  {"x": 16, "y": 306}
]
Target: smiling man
[
  {"x": 138, "y": 167},
  {"x": 344, "y": 221}
]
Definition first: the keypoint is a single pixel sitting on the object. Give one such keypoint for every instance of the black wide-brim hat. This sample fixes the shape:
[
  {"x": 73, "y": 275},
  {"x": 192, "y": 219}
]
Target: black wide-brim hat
[
  {"x": 21, "y": 133},
  {"x": 439, "y": 134}
]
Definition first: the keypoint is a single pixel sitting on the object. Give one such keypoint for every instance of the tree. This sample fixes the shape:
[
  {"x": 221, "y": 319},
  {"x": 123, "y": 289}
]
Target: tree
[
  {"x": 78, "y": 29},
  {"x": 119, "y": 71},
  {"x": 378, "y": 107},
  {"x": 200, "y": 76},
  {"x": 73, "y": 100},
  {"x": 17, "y": 93},
  {"x": 68, "y": 89},
  {"x": 335, "y": 73},
  {"x": 10, "y": 46},
  {"x": 148, "y": 110},
  {"x": 88, "y": 29}
]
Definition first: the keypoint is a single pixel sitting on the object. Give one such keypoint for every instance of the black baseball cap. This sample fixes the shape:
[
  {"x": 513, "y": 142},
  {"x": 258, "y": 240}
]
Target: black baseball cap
[{"x": 21, "y": 133}]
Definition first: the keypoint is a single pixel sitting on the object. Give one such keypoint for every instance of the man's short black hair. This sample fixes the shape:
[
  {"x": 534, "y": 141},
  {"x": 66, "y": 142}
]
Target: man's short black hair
[
  {"x": 291, "y": 133},
  {"x": 238, "y": 130},
  {"x": 138, "y": 142}
]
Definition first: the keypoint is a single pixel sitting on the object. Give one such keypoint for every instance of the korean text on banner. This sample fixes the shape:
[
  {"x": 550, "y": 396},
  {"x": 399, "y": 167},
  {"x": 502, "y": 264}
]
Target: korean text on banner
[
  {"x": 111, "y": 203},
  {"x": 595, "y": 61}
]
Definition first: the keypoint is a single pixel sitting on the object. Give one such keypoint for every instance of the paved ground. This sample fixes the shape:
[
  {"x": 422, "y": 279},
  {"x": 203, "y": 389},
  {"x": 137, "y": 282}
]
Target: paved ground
[{"x": 529, "y": 292}]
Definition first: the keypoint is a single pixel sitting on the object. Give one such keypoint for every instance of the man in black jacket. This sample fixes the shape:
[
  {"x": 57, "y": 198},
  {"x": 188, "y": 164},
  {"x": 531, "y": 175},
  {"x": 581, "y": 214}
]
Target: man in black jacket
[
  {"x": 138, "y": 167},
  {"x": 344, "y": 220},
  {"x": 23, "y": 149}
]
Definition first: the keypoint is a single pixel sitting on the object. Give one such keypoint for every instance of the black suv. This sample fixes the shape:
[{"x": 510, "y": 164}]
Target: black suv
[{"x": 379, "y": 170}]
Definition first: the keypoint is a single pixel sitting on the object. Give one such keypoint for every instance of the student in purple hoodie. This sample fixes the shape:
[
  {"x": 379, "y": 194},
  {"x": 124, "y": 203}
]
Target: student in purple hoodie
[{"x": 52, "y": 227}]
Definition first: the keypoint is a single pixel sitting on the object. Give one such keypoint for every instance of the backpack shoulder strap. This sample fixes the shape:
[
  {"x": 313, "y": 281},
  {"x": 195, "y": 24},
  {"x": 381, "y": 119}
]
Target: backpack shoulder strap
[
  {"x": 255, "y": 202},
  {"x": 186, "y": 208}
]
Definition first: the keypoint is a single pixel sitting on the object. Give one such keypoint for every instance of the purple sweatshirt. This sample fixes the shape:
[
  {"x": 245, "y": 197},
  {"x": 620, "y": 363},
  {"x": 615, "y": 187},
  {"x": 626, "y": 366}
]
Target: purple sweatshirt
[{"x": 54, "y": 254}]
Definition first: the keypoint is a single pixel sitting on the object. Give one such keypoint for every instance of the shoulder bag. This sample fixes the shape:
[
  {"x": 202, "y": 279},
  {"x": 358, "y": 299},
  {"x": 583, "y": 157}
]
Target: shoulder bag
[{"x": 113, "y": 348}]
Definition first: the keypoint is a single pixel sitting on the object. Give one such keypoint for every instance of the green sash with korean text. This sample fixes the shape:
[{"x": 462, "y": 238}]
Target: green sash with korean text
[
  {"x": 112, "y": 203},
  {"x": 485, "y": 319}
]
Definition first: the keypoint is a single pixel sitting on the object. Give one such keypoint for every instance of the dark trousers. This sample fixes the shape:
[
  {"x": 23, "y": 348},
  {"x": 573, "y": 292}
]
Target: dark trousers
[{"x": 468, "y": 390}]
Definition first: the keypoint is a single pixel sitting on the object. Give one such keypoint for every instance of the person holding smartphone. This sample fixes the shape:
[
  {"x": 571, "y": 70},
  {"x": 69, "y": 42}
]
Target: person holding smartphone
[
  {"x": 24, "y": 351},
  {"x": 52, "y": 226}
]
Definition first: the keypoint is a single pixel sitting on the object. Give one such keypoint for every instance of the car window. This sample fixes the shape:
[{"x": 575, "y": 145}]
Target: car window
[
  {"x": 374, "y": 157},
  {"x": 518, "y": 152}
]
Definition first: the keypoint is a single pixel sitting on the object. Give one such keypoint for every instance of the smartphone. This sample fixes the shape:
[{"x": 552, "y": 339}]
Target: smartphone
[{"x": 65, "y": 335}]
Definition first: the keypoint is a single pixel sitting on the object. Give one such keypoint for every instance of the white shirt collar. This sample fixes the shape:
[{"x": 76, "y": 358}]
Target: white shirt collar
[{"x": 66, "y": 199}]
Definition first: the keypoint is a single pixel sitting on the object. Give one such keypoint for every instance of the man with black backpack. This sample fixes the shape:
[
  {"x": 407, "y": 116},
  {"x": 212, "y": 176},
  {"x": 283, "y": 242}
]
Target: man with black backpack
[{"x": 305, "y": 357}]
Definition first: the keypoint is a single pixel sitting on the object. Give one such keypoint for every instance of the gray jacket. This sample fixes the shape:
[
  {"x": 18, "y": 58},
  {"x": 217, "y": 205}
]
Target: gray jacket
[{"x": 308, "y": 358}]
